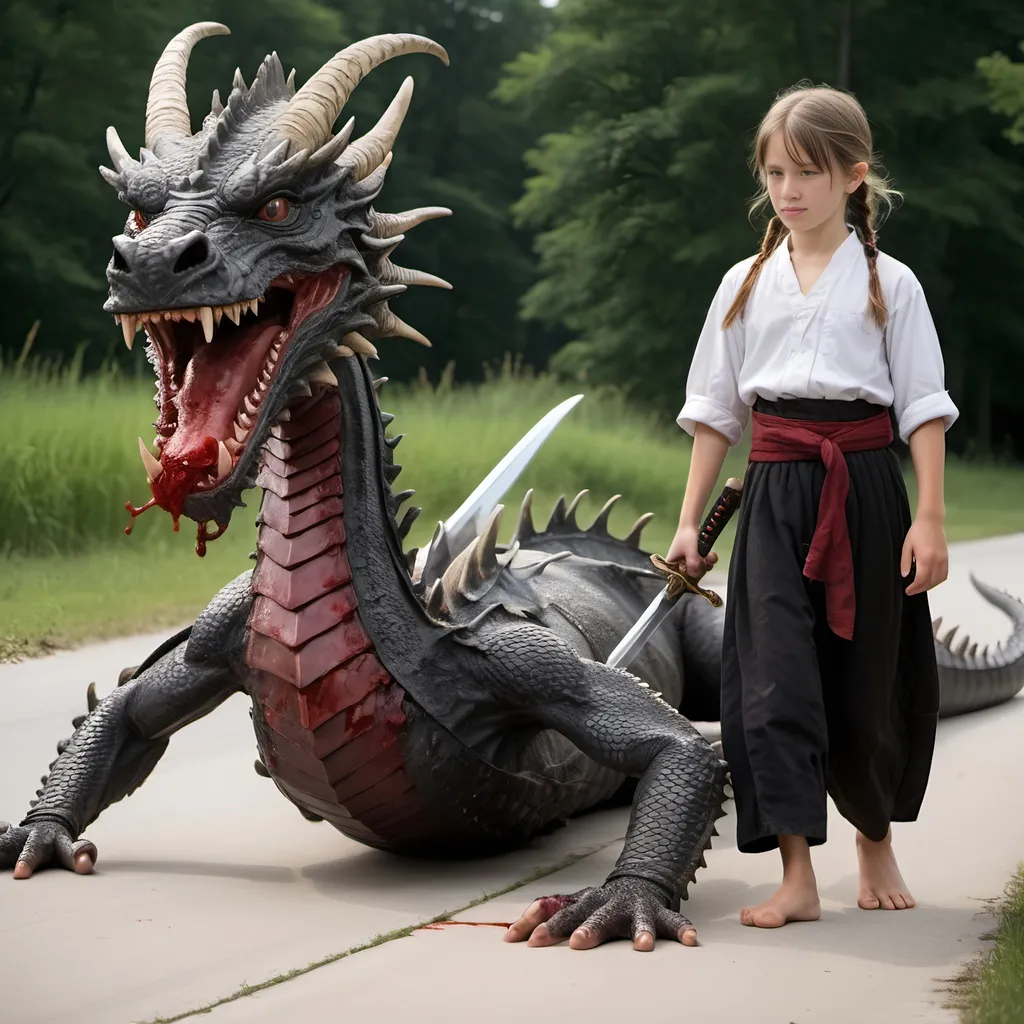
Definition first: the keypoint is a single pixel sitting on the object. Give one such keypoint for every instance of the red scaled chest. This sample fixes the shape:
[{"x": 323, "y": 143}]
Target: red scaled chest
[{"x": 331, "y": 713}]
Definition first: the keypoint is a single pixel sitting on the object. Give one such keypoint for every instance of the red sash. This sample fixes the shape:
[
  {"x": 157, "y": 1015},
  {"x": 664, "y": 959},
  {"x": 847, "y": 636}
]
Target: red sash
[{"x": 830, "y": 558}]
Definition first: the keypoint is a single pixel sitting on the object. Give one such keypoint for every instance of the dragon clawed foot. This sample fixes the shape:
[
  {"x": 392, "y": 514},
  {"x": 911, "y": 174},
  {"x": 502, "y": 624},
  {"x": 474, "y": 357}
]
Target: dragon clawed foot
[
  {"x": 623, "y": 908},
  {"x": 28, "y": 848}
]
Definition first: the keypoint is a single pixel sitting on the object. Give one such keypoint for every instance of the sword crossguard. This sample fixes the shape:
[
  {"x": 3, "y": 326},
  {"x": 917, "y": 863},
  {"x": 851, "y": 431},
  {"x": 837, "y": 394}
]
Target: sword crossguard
[{"x": 678, "y": 582}]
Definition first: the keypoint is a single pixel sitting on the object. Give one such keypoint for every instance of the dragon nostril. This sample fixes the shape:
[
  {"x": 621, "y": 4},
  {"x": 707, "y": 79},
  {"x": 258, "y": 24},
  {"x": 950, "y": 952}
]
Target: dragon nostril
[
  {"x": 194, "y": 256},
  {"x": 120, "y": 263}
]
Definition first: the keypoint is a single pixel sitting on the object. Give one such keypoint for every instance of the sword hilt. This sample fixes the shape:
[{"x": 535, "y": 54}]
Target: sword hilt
[
  {"x": 721, "y": 512},
  {"x": 677, "y": 582},
  {"x": 710, "y": 530}
]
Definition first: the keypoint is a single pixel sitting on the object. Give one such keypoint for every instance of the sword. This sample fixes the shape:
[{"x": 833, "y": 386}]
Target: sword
[
  {"x": 466, "y": 522},
  {"x": 678, "y": 582}
]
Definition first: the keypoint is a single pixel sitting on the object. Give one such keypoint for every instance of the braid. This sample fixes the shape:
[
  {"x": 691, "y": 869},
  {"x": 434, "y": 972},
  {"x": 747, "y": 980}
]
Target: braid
[
  {"x": 861, "y": 216},
  {"x": 773, "y": 235}
]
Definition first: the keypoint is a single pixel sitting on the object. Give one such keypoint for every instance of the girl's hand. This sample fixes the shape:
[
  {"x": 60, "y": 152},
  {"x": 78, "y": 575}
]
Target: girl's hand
[
  {"x": 683, "y": 552},
  {"x": 926, "y": 546}
]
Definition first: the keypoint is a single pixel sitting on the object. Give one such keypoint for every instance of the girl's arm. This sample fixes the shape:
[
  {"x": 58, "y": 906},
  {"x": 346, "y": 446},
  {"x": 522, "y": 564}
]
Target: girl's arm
[
  {"x": 706, "y": 460},
  {"x": 926, "y": 539}
]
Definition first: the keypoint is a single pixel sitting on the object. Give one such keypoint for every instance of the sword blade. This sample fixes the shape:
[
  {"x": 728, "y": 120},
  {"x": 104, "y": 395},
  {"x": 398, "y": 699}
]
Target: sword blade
[
  {"x": 466, "y": 522},
  {"x": 659, "y": 609},
  {"x": 642, "y": 630}
]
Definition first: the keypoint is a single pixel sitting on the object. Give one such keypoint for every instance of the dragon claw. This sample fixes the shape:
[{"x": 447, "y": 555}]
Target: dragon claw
[{"x": 623, "y": 908}]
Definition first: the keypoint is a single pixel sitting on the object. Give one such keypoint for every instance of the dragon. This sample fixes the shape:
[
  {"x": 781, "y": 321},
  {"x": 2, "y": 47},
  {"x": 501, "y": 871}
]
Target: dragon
[{"x": 447, "y": 702}]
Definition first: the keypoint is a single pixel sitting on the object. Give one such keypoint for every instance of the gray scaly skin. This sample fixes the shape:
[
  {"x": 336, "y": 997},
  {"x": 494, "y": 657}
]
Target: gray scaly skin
[{"x": 498, "y": 715}]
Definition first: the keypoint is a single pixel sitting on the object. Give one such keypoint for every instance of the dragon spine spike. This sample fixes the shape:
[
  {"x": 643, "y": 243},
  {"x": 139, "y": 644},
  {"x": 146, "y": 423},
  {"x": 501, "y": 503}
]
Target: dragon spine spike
[
  {"x": 435, "y": 600},
  {"x": 367, "y": 153},
  {"x": 403, "y": 275},
  {"x": 384, "y": 225},
  {"x": 402, "y": 496},
  {"x": 524, "y": 525},
  {"x": 238, "y": 84},
  {"x": 935, "y": 625},
  {"x": 387, "y": 418},
  {"x": 962, "y": 646},
  {"x": 973, "y": 651},
  {"x": 391, "y": 471},
  {"x": 378, "y": 383},
  {"x": 484, "y": 555},
  {"x": 167, "y": 115},
  {"x": 557, "y": 516},
  {"x": 570, "y": 512},
  {"x": 393, "y": 442},
  {"x": 330, "y": 151},
  {"x": 410, "y": 517},
  {"x": 91, "y": 700},
  {"x": 633, "y": 539},
  {"x": 600, "y": 523},
  {"x": 527, "y": 572},
  {"x": 948, "y": 638},
  {"x": 216, "y": 107},
  {"x": 310, "y": 115}
]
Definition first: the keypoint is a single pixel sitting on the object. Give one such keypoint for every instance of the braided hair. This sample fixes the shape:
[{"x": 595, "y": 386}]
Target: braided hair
[{"x": 832, "y": 129}]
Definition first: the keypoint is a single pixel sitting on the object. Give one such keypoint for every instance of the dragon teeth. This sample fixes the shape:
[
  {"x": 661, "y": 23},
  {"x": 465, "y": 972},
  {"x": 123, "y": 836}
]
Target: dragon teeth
[
  {"x": 153, "y": 467},
  {"x": 209, "y": 316},
  {"x": 223, "y": 461},
  {"x": 206, "y": 315},
  {"x": 128, "y": 329}
]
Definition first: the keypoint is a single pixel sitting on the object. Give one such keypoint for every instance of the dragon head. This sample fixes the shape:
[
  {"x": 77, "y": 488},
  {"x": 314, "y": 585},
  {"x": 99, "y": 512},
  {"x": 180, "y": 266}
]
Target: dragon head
[{"x": 251, "y": 256}]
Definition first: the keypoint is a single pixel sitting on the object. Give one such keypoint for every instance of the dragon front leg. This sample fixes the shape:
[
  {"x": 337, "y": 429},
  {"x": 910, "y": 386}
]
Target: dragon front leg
[
  {"x": 617, "y": 721},
  {"x": 119, "y": 743}
]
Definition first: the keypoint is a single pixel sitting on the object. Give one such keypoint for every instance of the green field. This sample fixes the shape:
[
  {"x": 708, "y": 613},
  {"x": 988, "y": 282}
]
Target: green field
[{"x": 69, "y": 461}]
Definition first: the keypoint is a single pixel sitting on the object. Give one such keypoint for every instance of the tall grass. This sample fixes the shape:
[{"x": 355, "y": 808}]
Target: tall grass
[{"x": 69, "y": 460}]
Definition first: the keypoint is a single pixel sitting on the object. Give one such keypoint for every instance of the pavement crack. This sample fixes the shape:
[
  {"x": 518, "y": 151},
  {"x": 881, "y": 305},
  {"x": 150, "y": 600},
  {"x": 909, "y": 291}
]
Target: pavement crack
[{"x": 379, "y": 940}]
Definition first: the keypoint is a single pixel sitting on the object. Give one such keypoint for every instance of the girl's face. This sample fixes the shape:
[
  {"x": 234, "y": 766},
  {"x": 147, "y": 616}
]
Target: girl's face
[{"x": 804, "y": 195}]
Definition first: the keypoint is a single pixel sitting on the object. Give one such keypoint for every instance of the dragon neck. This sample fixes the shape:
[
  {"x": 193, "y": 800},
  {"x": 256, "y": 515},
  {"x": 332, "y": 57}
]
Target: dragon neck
[{"x": 329, "y": 554}]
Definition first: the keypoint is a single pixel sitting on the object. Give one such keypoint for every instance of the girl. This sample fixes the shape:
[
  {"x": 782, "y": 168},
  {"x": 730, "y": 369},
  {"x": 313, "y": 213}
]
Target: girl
[{"x": 829, "y": 681}]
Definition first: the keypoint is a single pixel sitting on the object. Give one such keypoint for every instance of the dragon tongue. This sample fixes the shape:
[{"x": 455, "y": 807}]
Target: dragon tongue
[{"x": 217, "y": 378}]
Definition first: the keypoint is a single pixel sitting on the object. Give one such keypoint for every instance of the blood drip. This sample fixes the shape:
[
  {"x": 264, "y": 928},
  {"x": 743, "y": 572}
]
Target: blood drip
[
  {"x": 203, "y": 536},
  {"x": 138, "y": 512}
]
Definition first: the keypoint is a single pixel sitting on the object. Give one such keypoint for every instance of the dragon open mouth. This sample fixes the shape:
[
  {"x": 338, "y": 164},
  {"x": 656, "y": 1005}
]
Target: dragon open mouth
[{"x": 215, "y": 367}]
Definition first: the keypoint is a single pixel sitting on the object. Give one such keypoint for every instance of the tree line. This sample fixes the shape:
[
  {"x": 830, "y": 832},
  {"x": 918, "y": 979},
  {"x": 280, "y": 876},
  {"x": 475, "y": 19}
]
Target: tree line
[{"x": 595, "y": 155}]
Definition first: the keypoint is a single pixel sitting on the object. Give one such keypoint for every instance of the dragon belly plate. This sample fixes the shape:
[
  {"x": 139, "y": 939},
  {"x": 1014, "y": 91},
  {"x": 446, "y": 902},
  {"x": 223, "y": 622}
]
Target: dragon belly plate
[{"x": 328, "y": 715}]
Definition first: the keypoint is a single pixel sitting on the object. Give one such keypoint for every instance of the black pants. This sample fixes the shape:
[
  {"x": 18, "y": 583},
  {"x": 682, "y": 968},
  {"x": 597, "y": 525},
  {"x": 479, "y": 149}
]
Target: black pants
[{"x": 804, "y": 712}]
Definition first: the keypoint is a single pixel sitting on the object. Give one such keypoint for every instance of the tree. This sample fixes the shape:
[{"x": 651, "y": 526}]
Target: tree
[
  {"x": 638, "y": 189},
  {"x": 1006, "y": 86}
]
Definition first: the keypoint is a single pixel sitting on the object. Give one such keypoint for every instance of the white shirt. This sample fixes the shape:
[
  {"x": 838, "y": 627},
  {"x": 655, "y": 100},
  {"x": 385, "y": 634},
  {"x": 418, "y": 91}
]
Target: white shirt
[{"x": 820, "y": 345}]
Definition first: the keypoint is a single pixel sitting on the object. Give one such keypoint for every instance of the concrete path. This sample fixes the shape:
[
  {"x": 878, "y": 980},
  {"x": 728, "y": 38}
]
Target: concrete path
[{"x": 208, "y": 881}]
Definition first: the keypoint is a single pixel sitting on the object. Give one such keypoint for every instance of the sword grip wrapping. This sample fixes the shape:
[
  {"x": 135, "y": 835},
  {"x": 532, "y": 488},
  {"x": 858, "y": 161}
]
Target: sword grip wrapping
[{"x": 721, "y": 512}]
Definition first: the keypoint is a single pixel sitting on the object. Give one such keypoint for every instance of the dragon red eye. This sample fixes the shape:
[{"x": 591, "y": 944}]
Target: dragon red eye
[
  {"x": 140, "y": 220},
  {"x": 275, "y": 211}
]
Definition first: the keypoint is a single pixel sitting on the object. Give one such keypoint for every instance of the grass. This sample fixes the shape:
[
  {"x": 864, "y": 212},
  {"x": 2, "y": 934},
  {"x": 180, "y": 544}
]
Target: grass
[
  {"x": 70, "y": 461},
  {"x": 991, "y": 989}
]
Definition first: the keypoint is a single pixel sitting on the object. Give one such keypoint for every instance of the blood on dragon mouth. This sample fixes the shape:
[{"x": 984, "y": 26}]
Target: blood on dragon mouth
[{"x": 215, "y": 366}]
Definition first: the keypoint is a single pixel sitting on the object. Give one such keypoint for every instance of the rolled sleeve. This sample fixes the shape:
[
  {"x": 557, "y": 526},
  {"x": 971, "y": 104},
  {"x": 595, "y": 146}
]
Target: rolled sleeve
[
  {"x": 916, "y": 365},
  {"x": 712, "y": 386},
  {"x": 700, "y": 409}
]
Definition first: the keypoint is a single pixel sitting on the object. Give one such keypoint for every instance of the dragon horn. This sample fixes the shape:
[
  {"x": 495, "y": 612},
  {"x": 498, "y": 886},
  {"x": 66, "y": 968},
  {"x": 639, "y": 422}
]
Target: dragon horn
[
  {"x": 309, "y": 118},
  {"x": 367, "y": 153},
  {"x": 167, "y": 114}
]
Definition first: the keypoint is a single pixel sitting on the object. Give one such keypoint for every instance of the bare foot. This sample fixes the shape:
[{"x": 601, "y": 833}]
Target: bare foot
[
  {"x": 881, "y": 884},
  {"x": 792, "y": 901}
]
